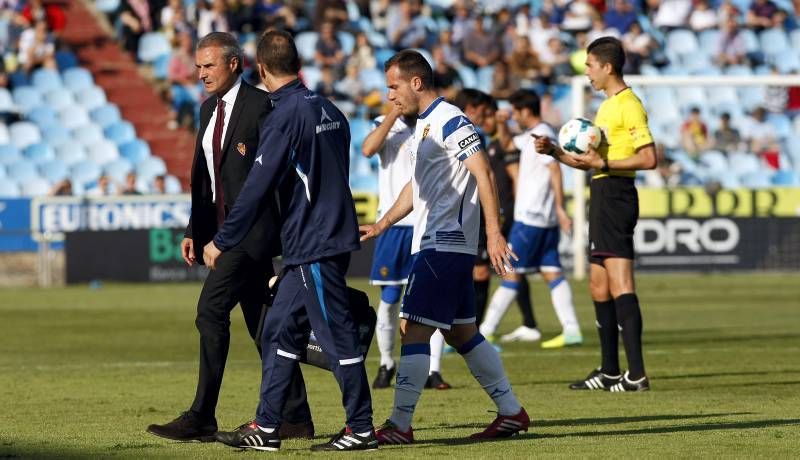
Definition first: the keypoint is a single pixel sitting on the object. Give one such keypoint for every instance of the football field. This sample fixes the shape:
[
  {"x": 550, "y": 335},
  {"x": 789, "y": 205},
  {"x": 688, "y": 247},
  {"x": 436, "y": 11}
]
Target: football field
[{"x": 84, "y": 371}]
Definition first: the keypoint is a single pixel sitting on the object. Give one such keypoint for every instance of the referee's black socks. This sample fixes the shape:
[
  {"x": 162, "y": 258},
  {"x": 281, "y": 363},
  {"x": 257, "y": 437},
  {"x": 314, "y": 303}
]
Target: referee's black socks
[
  {"x": 606, "y": 315},
  {"x": 524, "y": 302},
  {"x": 481, "y": 297},
  {"x": 629, "y": 316}
]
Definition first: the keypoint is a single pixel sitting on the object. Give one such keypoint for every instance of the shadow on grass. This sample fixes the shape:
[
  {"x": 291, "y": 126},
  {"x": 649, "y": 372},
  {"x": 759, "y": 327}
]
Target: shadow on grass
[
  {"x": 755, "y": 424},
  {"x": 725, "y": 374},
  {"x": 667, "y": 339}
]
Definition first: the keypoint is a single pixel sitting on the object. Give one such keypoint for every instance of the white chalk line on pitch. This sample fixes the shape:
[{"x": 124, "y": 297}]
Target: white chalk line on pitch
[{"x": 537, "y": 353}]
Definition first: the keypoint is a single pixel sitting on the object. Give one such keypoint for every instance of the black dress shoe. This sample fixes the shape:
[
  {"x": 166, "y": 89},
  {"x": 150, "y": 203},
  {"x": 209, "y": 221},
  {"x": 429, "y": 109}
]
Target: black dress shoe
[
  {"x": 384, "y": 377},
  {"x": 187, "y": 427},
  {"x": 296, "y": 430}
]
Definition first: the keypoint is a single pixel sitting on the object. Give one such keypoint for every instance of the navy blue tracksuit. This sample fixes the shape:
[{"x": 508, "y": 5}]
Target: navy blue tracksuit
[{"x": 303, "y": 154}]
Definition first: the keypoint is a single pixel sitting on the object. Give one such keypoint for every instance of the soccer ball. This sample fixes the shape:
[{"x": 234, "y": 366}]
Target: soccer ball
[{"x": 577, "y": 135}]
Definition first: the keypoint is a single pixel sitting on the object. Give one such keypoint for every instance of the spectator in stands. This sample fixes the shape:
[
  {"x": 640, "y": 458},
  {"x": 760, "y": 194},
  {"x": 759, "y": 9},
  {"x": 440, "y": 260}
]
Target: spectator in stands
[
  {"x": 36, "y": 48},
  {"x": 350, "y": 87},
  {"x": 326, "y": 87},
  {"x": 406, "y": 27},
  {"x": 451, "y": 51},
  {"x": 524, "y": 65},
  {"x": 445, "y": 76},
  {"x": 599, "y": 29},
  {"x": 462, "y": 22},
  {"x": 551, "y": 114},
  {"x": 731, "y": 48},
  {"x": 182, "y": 76},
  {"x": 557, "y": 59},
  {"x": 274, "y": 14},
  {"x": 672, "y": 14},
  {"x": 479, "y": 47},
  {"x": 136, "y": 18},
  {"x": 334, "y": 11},
  {"x": 760, "y": 135},
  {"x": 173, "y": 19},
  {"x": 620, "y": 16},
  {"x": 761, "y": 14},
  {"x": 363, "y": 56},
  {"x": 541, "y": 31},
  {"x": 62, "y": 188},
  {"x": 694, "y": 133},
  {"x": 776, "y": 97},
  {"x": 52, "y": 13},
  {"x": 666, "y": 174},
  {"x": 328, "y": 51},
  {"x": 638, "y": 46},
  {"x": 578, "y": 16},
  {"x": 160, "y": 185},
  {"x": 214, "y": 19},
  {"x": 503, "y": 84},
  {"x": 522, "y": 19},
  {"x": 703, "y": 17},
  {"x": 102, "y": 188},
  {"x": 726, "y": 137},
  {"x": 129, "y": 188}
]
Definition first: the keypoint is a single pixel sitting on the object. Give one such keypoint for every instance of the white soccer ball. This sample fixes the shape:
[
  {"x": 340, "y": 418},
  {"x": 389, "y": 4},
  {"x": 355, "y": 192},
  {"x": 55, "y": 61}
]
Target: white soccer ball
[{"x": 577, "y": 135}]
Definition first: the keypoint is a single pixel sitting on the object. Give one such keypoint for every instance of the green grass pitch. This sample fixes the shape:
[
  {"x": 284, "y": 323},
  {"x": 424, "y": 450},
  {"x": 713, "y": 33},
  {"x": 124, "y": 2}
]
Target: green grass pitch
[{"x": 83, "y": 372}]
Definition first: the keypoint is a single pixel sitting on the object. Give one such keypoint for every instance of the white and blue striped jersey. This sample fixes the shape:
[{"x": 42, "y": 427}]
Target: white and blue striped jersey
[
  {"x": 446, "y": 207},
  {"x": 395, "y": 166},
  {"x": 535, "y": 201}
]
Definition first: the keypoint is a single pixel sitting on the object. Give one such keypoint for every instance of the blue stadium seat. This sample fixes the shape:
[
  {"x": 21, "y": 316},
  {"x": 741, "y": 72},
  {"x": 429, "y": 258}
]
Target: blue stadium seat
[
  {"x": 719, "y": 95},
  {"x": 39, "y": 152},
  {"x": 55, "y": 133},
  {"x": 161, "y": 66},
  {"x": 750, "y": 38},
  {"x": 58, "y": 98},
  {"x": 106, "y": 114},
  {"x": 311, "y": 76},
  {"x": 107, "y": 6},
  {"x": 364, "y": 183},
  {"x": 6, "y": 101},
  {"x": 739, "y": 70},
  {"x": 774, "y": 44},
  {"x": 359, "y": 129},
  {"x": 22, "y": 171},
  {"x": 794, "y": 37},
  {"x": 468, "y": 77},
  {"x": 788, "y": 62},
  {"x": 743, "y": 163},
  {"x": 681, "y": 43},
  {"x": 2, "y": 172},
  {"x": 485, "y": 78},
  {"x": 382, "y": 55},
  {"x": 152, "y": 45},
  {"x": 151, "y": 167},
  {"x": 43, "y": 115},
  {"x": 103, "y": 152},
  {"x": 118, "y": 169},
  {"x": 692, "y": 96},
  {"x": 71, "y": 152},
  {"x": 708, "y": 41},
  {"x": 54, "y": 170},
  {"x": 120, "y": 132},
  {"x": 88, "y": 135},
  {"x": 786, "y": 179},
  {"x": 27, "y": 97},
  {"x": 74, "y": 116},
  {"x": 172, "y": 185},
  {"x": 135, "y": 150},
  {"x": 92, "y": 97},
  {"x": 306, "y": 43},
  {"x": 37, "y": 186},
  {"x": 377, "y": 39},
  {"x": 5, "y": 137},
  {"x": 66, "y": 60},
  {"x": 372, "y": 79},
  {"x": 751, "y": 97},
  {"x": 757, "y": 179},
  {"x": 714, "y": 161},
  {"x": 781, "y": 123},
  {"x": 46, "y": 79},
  {"x": 77, "y": 79},
  {"x": 9, "y": 189},
  {"x": 347, "y": 40},
  {"x": 85, "y": 172},
  {"x": 24, "y": 133},
  {"x": 9, "y": 153}
]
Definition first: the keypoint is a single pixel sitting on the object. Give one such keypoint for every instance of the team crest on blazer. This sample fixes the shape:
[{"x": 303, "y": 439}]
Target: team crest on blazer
[{"x": 241, "y": 148}]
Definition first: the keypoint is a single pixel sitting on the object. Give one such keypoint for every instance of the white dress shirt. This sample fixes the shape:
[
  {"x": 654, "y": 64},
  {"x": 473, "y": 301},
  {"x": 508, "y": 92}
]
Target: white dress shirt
[{"x": 208, "y": 150}]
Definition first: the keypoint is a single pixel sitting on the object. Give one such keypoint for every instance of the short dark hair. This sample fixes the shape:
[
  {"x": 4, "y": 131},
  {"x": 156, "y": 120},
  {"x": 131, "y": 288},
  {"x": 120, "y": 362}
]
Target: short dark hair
[
  {"x": 473, "y": 98},
  {"x": 277, "y": 52},
  {"x": 228, "y": 43},
  {"x": 608, "y": 50},
  {"x": 526, "y": 99},
  {"x": 412, "y": 64}
]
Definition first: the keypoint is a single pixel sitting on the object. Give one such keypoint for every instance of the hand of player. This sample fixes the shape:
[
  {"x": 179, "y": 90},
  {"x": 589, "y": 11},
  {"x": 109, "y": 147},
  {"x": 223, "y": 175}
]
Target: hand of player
[
  {"x": 370, "y": 231},
  {"x": 589, "y": 160},
  {"x": 394, "y": 113},
  {"x": 210, "y": 255},
  {"x": 187, "y": 251},
  {"x": 500, "y": 253},
  {"x": 564, "y": 221},
  {"x": 543, "y": 145}
]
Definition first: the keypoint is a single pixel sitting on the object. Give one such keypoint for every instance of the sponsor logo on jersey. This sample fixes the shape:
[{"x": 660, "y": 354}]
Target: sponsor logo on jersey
[
  {"x": 464, "y": 143},
  {"x": 326, "y": 123}
]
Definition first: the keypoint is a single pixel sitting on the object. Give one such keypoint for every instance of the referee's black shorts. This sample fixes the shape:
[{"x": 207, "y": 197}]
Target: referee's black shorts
[
  {"x": 613, "y": 212},
  {"x": 482, "y": 259}
]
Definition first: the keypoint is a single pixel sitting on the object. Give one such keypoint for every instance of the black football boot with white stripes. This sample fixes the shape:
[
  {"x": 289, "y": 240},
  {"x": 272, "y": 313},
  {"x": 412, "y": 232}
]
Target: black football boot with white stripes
[
  {"x": 251, "y": 436},
  {"x": 626, "y": 385},
  {"x": 346, "y": 440},
  {"x": 596, "y": 380}
]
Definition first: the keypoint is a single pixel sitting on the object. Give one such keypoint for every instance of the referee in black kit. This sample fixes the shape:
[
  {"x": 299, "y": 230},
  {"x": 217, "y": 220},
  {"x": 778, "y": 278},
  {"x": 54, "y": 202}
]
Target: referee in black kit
[{"x": 304, "y": 154}]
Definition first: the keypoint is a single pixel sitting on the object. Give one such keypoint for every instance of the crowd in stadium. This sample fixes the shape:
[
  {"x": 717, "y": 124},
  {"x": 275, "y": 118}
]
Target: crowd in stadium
[{"x": 496, "y": 46}]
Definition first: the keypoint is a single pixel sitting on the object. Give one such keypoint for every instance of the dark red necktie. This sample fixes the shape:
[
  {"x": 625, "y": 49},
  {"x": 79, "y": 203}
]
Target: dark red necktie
[{"x": 216, "y": 147}]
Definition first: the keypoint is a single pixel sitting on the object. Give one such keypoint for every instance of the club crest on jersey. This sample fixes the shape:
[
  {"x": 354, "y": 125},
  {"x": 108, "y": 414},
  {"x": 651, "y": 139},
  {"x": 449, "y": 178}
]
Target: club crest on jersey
[
  {"x": 425, "y": 131},
  {"x": 384, "y": 271},
  {"x": 241, "y": 148}
]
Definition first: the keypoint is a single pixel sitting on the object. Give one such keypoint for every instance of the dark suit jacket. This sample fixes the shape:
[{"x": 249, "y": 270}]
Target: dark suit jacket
[{"x": 238, "y": 153}]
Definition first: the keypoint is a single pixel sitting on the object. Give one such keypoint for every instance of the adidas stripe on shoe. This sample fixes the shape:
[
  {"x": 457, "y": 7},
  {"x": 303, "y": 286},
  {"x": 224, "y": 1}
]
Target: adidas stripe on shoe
[
  {"x": 505, "y": 426},
  {"x": 389, "y": 433},
  {"x": 251, "y": 436},
  {"x": 596, "y": 380},
  {"x": 626, "y": 385},
  {"x": 346, "y": 440}
]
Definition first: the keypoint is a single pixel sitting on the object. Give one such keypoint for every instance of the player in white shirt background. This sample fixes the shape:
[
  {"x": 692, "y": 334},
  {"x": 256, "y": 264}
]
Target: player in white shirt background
[
  {"x": 450, "y": 172},
  {"x": 538, "y": 213},
  {"x": 391, "y": 139}
]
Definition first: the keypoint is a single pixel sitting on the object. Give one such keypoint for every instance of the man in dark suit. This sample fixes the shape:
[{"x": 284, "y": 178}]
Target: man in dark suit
[{"x": 224, "y": 153}]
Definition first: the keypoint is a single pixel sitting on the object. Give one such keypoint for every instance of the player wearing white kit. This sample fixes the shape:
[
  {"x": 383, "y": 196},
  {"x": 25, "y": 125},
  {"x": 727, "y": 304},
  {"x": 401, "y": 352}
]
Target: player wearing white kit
[
  {"x": 391, "y": 140},
  {"x": 538, "y": 214},
  {"x": 450, "y": 172}
]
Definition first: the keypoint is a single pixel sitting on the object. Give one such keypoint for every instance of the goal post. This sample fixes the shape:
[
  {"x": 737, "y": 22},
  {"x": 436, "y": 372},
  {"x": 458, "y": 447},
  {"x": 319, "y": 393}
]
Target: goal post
[{"x": 578, "y": 86}]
